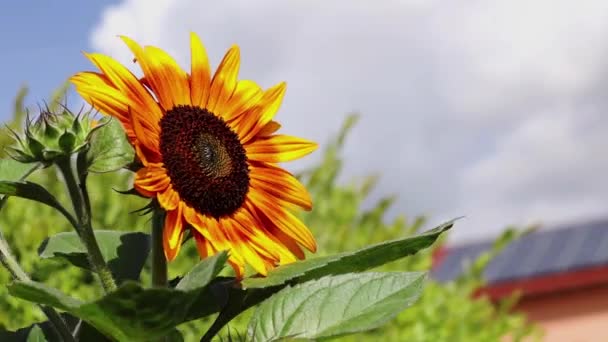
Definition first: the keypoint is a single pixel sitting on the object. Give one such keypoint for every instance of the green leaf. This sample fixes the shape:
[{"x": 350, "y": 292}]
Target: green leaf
[
  {"x": 36, "y": 335},
  {"x": 358, "y": 261},
  {"x": 131, "y": 313},
  {"x": 12, "y": 170},
  {"x": 335, "y": 305},
  {"x": 203, "y": 273},
  {"x": 126, "y": 253},
  {"x": 110, "y": 150},
  {"x": 31, "y": 191}
]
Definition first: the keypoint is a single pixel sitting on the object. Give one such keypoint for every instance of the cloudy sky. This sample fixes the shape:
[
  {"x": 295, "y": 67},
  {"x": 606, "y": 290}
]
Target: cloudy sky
[{"x": 490, "y": 109}]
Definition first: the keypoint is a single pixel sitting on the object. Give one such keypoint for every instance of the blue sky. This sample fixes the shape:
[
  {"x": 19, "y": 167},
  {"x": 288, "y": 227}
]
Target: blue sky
[{"x": 41, "y": 45}]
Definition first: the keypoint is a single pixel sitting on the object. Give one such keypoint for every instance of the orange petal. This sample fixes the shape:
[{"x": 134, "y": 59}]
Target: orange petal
[
  {"x": 151, "y": 180},
  {"x": 224, "y": 81},
  {"x": 168, "y": 81},
  {"x": 280, "y": 184},
  {"x": 98, "y": 91},
  {"x": 173, "y": 233},
  {"x": 260, "y": 239},
  {"x": 149, "y": 141},
  {"x": 168, "y": 199},
  {"x": 242, "y": 247},
  {"x": 275, "y": 233},
  {"x": 279, "y": 148},
  {"x": 256, "y": 118},
  {"x": 246, "y": 94},
  {"x": 284, "y": 220},
  {"x": 123, "y": 80},
  {"x": 200, "y": 79},
  {"x": 210, "y": 230},
  {"x": 146, "y": 155},
  {"x": 269, "y": 129},
  {"x": 239, "y": 268},
  {"x": 204, "y": 247}
]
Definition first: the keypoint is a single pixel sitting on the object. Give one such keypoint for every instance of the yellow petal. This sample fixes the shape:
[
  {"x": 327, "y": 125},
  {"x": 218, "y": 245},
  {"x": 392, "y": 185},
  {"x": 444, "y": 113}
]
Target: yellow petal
[
  {"x": 168, "y": 81},
  {"x": 204, "y": 247},
  {"x": 242, "y": 247},
  {"x": 98, "y": 91},
  {"x": 284, "y": 220},
  {"x": 224, "y": 81},
  {"x": 269, "y": 129},
  {"x": 151, "y": 180},
  {"x": 168, "y": 199},
  {"x": 260, "y": 239},
  {"x": 279, "y": 148},
  {"x": 256, "y": 118},
  {"x": 280, "y": 184},
  {"x": 129, "y": 85},
  {"x": 200, "y": 73},
  {"x": 246, "y": 95},
  {"x": 173, "y": 233}
]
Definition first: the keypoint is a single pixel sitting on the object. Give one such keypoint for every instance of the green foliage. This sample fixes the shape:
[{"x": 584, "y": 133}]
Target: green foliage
[
  {"x": 335, "y": 305},
  {"x": 34, "y": 192},
  {"x": 25, "y": 224},
  {"x": 126, "y": 253},
  {"x": 338, "y": 221},
  {"x": 132, "y": 313},
  {"x": 110, "y": 150},
  {"x": 12, "y": 170}
]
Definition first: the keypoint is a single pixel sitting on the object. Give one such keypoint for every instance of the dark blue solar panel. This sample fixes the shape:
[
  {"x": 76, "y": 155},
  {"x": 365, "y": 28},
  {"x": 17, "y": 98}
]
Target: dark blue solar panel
[
  {"x": 520, "y": 256},
  {"x": 601, "y": 252},
  {"x": 457, "y": 260},
  {"x": 589, "y": 248},
  {"x": 566, "y": 250},
  {"x": 542, "y": 252}
]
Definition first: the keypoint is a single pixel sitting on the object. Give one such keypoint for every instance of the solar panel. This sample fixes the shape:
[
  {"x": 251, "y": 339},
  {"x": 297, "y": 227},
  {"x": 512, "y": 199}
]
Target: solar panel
[
  {"x": 542, "y": 252},
  {"x": 521, "y": 258}
]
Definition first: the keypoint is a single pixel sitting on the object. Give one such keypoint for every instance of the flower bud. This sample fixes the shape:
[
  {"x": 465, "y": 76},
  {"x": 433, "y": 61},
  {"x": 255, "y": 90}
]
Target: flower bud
[{"x": 52, "y": 136}]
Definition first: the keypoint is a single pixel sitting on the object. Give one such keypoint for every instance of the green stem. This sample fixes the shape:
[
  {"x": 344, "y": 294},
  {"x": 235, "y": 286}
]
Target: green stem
[
  {"x": 7, "y": 259},
  {"x": 9, "y": 262},
  {"x": 159, "y": 262},
  {"x": 84, "y": 227}
]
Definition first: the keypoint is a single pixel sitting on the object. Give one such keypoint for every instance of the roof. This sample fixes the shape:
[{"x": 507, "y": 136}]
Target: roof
[{"x": 541, "y": 253}]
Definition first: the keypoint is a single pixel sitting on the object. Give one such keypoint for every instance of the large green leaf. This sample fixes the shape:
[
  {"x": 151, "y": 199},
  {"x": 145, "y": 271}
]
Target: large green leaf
[
  {"x": 34, "y": 192},
  {"x": 126, "y": 253},
  {"x": 203, "y": 273},
  {"x": 358, "y": 261},
  {"x": 131, "y": 313},
  {"x": 12, "y": 170},
  {"x": 110, "y": 150},
  {"x": 335, "y": 305}
]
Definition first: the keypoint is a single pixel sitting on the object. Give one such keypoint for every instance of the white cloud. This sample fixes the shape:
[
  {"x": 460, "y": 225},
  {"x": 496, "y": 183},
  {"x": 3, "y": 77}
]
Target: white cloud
[{"x": 492, "y": 109}]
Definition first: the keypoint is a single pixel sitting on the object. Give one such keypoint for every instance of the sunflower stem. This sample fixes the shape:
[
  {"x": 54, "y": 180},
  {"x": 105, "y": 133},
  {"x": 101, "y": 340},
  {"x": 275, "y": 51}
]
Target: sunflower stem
[
  {"x": 84, "y": 227},
  {"x": 159, "y": 262},
  {"x": 11, "y": 264}
]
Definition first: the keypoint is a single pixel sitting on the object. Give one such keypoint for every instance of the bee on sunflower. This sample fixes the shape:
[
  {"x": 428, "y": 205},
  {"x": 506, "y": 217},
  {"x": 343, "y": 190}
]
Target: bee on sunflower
[{"x": 210, "y": 153}]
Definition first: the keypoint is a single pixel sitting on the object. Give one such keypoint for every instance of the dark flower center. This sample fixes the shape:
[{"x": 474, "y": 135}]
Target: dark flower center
[{"x": 205, "y": 160}]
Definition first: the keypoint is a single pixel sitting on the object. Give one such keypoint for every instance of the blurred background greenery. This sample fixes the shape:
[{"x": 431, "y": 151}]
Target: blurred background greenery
[{"x": 445, "y": 312}]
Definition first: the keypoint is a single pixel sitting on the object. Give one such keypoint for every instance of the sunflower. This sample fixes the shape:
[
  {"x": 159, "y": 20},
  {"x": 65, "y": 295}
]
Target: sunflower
[{"x": 210, "y": 153}]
